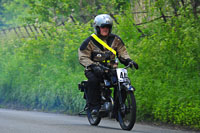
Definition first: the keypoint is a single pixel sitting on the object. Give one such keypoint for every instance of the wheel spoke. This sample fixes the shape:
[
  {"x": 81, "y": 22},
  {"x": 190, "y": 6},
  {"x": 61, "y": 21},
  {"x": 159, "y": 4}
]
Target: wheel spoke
[{"x": 127, "y": 117}]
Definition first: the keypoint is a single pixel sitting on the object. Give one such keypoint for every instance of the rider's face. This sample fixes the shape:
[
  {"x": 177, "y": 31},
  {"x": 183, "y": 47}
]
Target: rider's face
[{"x": 104, "y": 31}]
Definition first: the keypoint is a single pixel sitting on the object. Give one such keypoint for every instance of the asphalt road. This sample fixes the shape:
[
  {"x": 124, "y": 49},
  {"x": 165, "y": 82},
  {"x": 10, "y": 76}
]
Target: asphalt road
[{"x": 12, "y": 121}]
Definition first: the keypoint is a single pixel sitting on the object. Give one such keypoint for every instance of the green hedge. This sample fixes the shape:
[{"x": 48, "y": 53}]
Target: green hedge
[
  {"x": 168, "y": 81},
  {"x": 44, "y": 73}
]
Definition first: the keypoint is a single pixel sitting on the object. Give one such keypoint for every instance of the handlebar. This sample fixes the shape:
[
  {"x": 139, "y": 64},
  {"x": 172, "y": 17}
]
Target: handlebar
[
  {"x": 129, "y": 65},
  {"x": 107, "y": 68}
]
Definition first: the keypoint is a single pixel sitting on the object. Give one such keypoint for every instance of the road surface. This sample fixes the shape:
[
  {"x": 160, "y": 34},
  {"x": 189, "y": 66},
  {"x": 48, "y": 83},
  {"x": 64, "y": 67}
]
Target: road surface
[{"x": 12, "y": 121}]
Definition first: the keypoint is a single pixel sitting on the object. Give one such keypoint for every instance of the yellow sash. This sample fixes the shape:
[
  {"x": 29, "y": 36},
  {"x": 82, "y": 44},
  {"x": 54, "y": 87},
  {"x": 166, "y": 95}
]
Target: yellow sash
[{"x": 104, "y": 44}]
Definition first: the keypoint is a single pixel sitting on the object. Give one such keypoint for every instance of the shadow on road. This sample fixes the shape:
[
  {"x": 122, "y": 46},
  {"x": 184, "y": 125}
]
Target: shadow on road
[{"x": 119, "y": 129}]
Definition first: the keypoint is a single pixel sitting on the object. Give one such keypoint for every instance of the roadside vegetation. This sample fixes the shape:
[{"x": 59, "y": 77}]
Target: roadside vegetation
[{"x": 43, "y": 73}]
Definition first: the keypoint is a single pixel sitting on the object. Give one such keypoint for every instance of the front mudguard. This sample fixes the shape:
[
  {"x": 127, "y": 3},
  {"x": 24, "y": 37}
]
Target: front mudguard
[
  {"x": 131, "y": 88},
  {"x": 128, "y": 87}
]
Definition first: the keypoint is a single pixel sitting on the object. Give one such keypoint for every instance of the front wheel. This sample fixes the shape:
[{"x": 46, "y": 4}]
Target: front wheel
[
  {"x": 127, "y": 111},
  {"x": 93, "y": 119}
]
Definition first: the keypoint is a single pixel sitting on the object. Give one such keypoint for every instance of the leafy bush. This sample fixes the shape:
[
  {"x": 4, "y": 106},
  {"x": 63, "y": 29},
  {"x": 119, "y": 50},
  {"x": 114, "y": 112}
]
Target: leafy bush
[
  {"x": 44, "y": 73},
  {"x": 168, "y": 81}
]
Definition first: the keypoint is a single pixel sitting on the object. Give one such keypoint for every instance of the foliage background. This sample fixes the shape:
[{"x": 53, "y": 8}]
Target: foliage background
[{"x": 44, "y": 73}]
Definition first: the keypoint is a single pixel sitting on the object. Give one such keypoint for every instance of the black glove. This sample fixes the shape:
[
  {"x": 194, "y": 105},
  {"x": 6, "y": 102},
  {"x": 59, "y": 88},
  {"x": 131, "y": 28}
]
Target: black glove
[
  {"x": 98, "y": 71},
  {"x": 132, "y": 63}
]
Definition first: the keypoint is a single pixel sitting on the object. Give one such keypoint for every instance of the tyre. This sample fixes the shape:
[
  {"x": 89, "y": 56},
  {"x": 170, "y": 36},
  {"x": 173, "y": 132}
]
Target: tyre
[
  {"x": 93, "y": 119},
  {"x": 127, "y": 113}
]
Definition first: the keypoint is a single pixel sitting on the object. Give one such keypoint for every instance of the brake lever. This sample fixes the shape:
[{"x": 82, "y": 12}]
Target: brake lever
[{"x": 129, "y": 65}]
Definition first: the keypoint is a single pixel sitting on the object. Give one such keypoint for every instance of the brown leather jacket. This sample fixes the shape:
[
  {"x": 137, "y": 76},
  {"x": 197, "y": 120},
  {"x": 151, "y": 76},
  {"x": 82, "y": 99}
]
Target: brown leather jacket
[{"x": 91, "y": 52}]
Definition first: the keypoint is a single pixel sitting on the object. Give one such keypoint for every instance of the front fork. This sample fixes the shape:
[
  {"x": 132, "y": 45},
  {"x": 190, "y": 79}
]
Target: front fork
[
  {"x": 129, "y": 88},
  {"x": 119, "y": 96}
]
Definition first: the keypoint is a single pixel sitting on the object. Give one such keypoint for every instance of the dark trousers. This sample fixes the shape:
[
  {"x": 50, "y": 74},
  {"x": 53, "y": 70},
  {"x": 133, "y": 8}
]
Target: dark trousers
[{"x": 93, "y": 89}]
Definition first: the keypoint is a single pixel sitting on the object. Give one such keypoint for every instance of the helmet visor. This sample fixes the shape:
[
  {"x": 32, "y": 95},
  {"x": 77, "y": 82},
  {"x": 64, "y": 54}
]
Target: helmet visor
[{"x": 106, "y": 25}]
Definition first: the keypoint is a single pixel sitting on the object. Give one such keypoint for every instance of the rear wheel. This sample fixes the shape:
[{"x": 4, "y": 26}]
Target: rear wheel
[
  {"x": 127, "y": 112},
  {"x": 93, "y": 119}
]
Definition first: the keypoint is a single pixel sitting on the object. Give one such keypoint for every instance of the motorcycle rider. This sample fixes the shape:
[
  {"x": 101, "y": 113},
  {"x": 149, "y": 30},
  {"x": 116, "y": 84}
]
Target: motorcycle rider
[{"x": 91, "y": 53}]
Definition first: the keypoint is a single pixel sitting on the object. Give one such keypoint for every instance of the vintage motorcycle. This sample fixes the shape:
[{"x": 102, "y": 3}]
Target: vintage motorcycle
[{"x": 117, "y": 98}]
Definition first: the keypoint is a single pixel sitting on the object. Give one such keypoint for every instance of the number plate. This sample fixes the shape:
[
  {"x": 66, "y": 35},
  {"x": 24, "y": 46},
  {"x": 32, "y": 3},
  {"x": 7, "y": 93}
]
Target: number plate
[{"x": 122, "y": 74}]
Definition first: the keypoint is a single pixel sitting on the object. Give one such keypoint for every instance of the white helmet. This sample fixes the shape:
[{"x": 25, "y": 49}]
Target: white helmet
[{"x": 102, "y": 20}]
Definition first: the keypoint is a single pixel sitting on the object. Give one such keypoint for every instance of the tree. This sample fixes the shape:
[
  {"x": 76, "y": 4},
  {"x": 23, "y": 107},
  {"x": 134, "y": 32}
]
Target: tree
[
  {"x": 13, "y": 11},
  {"x": 1, "y": 14},
  {"x": 195, "y": 4},
  {"x": 51, "y": 10}
]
